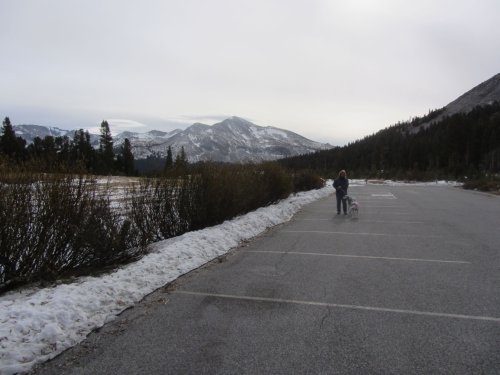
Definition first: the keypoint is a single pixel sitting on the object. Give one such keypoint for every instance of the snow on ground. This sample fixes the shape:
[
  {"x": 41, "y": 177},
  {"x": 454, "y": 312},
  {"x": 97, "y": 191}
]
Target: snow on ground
[
  {"x": 413, "y": 183},
  {"x": 39, "y": 323},
  {"x": 358, "y": 182}
]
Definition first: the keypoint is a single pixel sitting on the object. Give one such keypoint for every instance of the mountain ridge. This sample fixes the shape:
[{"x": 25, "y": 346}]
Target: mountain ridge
[
  {"x": 463, "y": 144},
  {"x": 231, "y": 140},
  {"x": 482, "y": 94}
]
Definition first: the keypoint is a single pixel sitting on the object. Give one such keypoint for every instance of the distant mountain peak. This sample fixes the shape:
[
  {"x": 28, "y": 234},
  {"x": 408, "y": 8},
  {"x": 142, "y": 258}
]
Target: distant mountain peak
[
  {"x": 157, "y": 133},
  {"x": 198, "y": 126},
  {"x": 231, "y": 140},
  {"x": 238, "y": 120}
]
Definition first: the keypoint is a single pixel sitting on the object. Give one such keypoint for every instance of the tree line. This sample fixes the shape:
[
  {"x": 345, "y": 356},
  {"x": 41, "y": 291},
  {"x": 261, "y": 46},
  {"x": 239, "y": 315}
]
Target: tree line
[
  {"x": 458, "y": 146},
  {"x": 51, "y": 154},
  {"x": 60, "y": 153}
]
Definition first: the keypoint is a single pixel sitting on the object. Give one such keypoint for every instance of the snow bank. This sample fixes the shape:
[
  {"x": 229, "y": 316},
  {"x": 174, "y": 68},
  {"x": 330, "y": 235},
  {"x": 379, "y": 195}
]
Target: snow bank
[
  {"x": 360, "y": 182},
  {"x": 37, "y": 324},
  {"x": 413, "y": 183}
]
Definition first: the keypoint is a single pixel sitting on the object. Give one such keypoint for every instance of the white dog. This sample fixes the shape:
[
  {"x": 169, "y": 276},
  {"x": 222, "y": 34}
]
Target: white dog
[{"x": 352, "y": 206}]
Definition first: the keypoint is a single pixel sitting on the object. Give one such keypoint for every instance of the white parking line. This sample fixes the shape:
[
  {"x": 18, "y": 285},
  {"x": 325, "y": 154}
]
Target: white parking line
[
  {"x": 374, "y": 200},
  {"x": 313, "y": 219},
  {"x": 341, "y": 306},
  {"x": 361, "y": 256},
  {"x": 363, "y": 234},
  {"x": 385, "y": 195},
  {"x": 392, "y": 221},
  {"x": 372, "y": 221},
  {"x": 364, "y": 206}
]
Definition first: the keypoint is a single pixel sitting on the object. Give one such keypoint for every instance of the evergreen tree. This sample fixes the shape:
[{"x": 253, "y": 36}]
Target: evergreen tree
[
  {"x": 169, "y": 162},
  {"x": 35, "y": 149},
  {"x": 82, "y": 151},
  {"x": 11, "y": 145},
  {"x": 128, "y": 158},
  {"x": 106, "y": 153},
  {"x": 63, "y": 147},
  {"x": 181, "y": 162},
  {"x": 44, "y": 150}
]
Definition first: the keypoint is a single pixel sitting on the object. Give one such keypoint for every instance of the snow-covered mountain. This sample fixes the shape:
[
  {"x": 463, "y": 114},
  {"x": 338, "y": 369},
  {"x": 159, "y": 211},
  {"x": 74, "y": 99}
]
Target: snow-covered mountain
[
  {"x": 30, "y": 132},
  {"x": 232, "y": 140}
]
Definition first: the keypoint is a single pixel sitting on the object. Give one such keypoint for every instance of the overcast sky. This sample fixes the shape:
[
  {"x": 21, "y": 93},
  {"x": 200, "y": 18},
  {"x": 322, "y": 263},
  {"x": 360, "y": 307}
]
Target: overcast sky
[{"x": 330, "y": 70}]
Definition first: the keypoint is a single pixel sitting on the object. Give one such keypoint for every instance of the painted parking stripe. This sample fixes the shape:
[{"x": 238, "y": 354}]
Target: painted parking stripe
[
  {"x": 363, "y": 234},
  {"x": 392, "y": 221},
  {"x": 400, "y": 213},
  {"x": 392, "y": 206},
  {"x": 385, "y": 196},
  {"x": 341, "y": 306},
  {"x": 361, "y": 256},
  {"x": 372, "y": 221}
]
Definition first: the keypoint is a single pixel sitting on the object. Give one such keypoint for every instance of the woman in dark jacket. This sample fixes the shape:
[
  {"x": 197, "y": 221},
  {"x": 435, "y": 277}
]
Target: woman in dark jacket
[{"x": 341, "y": 184}]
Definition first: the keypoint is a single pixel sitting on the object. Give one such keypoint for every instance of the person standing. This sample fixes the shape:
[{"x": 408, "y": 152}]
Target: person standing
[{"x": 341, "y": 183}]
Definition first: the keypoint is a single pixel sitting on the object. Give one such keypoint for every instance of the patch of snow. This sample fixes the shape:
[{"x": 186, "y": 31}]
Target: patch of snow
[
  {"x": 194, "y": 140},
  {"x": 273, "y": 132},
  {"x": 255, "y": 131},
  {"x": 359, "y": 182},
  {"x": 413, "y": 183}
]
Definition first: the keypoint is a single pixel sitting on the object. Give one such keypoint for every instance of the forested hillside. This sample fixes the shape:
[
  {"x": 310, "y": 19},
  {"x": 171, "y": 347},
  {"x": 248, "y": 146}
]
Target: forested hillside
[{"x": 455, "y": 147}]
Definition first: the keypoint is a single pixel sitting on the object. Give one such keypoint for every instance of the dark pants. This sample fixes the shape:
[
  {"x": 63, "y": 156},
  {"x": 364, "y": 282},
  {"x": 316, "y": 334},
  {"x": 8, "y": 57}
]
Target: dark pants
[{"x": 344, "y": 203}]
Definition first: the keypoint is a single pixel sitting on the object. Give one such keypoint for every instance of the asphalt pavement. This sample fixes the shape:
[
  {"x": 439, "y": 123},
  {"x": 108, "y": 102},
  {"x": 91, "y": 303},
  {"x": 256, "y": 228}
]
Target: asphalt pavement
[{"x": 412, "y": 286}]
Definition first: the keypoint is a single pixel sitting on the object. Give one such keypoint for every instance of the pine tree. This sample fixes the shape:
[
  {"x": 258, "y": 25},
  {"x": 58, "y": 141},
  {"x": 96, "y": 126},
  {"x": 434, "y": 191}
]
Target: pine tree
[
  {"x": 106, "y": 153},
  {"x": 11, "y": 145},
  {"x": 63, "y": 146},
  {"x": 169, "y": 162},
  {"x": 128, "y": 158},
  {"x": 82, "y": 151},
  {"x": 181, "y": 162}
]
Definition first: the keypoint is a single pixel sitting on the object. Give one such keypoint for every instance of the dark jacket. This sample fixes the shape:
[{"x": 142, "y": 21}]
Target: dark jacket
[{"x": 341, "y": 184}]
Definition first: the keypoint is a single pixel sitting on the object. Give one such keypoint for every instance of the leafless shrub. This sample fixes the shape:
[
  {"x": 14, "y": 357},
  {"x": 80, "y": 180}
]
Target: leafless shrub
[
  {"x": 221, "y": 192},
  {"x": 153, "y": 209},
  {"x": 164, "y": 207},
  {"x": 56, "y": 225},
  {"x": 52, "y": 225},
  {"x": 305, "y": 179}
]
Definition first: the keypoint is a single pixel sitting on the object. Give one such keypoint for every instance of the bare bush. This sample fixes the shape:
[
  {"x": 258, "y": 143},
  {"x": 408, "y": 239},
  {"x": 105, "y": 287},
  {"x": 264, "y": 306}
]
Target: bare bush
[
  {"x": 55, "y": 225},
  {"x": 153, "y": 209},
  {"x": 164, "y": 207},
  {"x": 304, "y": 180},
  {"x": 221, "y": 192}
]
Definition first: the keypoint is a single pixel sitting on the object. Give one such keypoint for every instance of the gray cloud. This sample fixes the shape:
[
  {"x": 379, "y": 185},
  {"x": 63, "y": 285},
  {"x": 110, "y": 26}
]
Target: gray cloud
[{"x": 330, "y": 70}]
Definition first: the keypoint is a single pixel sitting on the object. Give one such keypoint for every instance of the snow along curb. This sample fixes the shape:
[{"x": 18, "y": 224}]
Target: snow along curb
[{"x": 37, "y": 324}]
